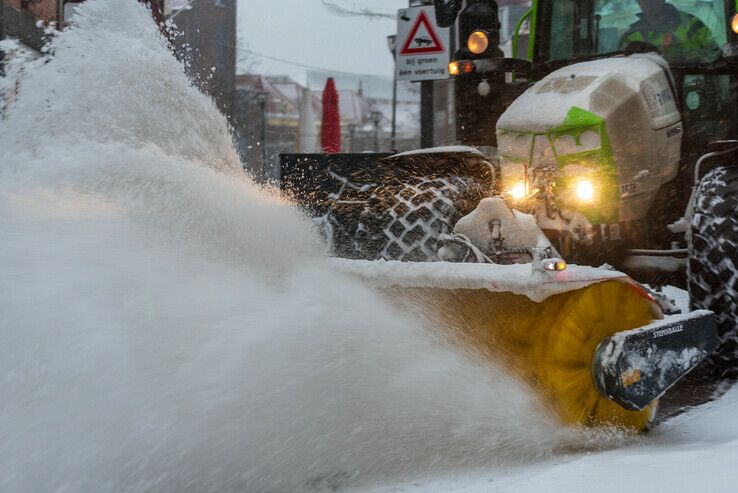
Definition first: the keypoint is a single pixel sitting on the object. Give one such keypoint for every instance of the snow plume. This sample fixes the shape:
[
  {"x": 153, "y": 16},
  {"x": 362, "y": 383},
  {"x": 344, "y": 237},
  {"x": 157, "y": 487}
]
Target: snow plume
[{"x": 165, "y": 324}]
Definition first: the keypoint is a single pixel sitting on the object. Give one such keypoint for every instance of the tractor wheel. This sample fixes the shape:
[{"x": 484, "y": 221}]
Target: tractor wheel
[
  {"x": 404, "y": 222},
  {"x": 713, "y": 285},
  {"x": 401, "y": 213}
]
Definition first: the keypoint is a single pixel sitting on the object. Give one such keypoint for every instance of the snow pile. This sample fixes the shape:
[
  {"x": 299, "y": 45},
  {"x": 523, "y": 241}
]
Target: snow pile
[
  {"x": 473, "y": 151},
  {"x": 696, "y": 451},
  {"x": 514, "y": 278},
  {"x": 518, "y": 230},
  {"x": 164, "y": 325}
]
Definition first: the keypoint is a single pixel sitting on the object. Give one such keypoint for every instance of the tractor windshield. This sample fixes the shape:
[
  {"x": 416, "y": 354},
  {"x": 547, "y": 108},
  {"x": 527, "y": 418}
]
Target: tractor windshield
[{"x": 683, "y": 31}]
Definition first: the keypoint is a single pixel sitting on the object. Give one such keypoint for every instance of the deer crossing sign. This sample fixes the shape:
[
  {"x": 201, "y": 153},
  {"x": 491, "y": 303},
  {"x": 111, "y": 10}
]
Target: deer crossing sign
[{"x": 422, "y": 46}]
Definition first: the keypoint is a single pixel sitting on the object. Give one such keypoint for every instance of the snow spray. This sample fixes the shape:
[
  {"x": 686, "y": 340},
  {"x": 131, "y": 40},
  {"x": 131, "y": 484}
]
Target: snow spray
[{"x": 167, "y": 325}]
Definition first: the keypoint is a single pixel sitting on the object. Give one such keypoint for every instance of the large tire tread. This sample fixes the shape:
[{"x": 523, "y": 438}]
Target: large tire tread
[
  {"x": 398, "y": 209},
  {"x": 712, "y": 274},
  {"x": 400, "y": 221}
]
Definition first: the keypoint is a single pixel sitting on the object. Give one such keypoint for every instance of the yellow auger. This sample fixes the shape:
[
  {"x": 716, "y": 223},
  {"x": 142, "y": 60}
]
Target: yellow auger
[{"x": 590, "y": 342}]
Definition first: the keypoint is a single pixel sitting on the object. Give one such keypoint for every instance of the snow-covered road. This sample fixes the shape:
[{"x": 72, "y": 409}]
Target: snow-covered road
[{"x": 697, "y": 451}]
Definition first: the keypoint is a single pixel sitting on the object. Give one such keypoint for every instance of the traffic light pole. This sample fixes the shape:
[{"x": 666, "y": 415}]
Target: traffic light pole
[{"x": 392, "y": 43}]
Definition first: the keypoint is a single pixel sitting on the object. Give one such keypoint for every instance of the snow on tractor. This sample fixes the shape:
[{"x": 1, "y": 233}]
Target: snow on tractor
[{"x": 611, "y": 148}]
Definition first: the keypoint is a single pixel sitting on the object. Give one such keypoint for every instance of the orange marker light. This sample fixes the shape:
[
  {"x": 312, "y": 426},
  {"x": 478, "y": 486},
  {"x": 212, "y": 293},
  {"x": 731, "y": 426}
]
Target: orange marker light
[
  {"x": 734, "y": 23},
  {"x": 453, "y": 68},
  {"x": 555, "y": 266}
]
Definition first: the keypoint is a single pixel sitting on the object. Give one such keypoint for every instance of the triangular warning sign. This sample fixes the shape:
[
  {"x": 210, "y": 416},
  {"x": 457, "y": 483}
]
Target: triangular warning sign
[{"x": 422, "y": 38}]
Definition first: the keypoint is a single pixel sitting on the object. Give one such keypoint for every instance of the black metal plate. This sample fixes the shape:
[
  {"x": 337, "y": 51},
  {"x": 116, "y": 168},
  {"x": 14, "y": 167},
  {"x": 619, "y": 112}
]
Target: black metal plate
[{"x": 636, "y": 367}]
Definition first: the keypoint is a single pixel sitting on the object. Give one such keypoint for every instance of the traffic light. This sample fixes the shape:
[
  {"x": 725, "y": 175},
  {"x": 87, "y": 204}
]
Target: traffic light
[
  {"x": 479, "y": 80},
  {"x": 479, "y": 31}
]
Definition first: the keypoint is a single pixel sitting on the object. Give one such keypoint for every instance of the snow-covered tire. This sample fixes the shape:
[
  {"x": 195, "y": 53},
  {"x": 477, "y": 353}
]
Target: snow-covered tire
[
  {"x": 712, "y": 279},
  {"x": 404, "y": 222},
  {"x": 713, "y": 267},
  {"x": 402, "y": 214}
]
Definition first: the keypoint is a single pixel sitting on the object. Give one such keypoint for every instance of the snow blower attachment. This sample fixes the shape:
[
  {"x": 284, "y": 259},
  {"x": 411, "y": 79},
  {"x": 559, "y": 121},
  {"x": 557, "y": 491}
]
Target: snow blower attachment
[{"x": 590, "y": 342}]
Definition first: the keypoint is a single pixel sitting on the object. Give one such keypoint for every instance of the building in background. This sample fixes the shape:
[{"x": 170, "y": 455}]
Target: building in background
[
  {"x": 376, "y": 92},
  {"x": 27, "y": 20},
  {"x": 275, "y": 102},
  {"x": 208, "y": 42},
  {"x": 266, "y": 108}
]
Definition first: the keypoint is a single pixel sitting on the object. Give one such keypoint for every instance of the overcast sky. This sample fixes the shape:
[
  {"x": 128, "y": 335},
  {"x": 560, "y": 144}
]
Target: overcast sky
[{"x": 307, "y": 32}]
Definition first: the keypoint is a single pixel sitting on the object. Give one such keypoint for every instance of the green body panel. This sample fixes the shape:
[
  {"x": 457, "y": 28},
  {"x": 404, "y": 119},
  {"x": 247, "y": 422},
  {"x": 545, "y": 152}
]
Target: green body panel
[
  {"x": 599, "y": 165},
  {"x": 516, "y": 35}
]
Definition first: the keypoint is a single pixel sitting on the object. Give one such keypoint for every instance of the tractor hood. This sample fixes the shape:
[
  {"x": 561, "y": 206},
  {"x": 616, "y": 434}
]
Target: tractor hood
[
  {"x": 598, "y": 86},
  {"x": 608, "y": 132}
]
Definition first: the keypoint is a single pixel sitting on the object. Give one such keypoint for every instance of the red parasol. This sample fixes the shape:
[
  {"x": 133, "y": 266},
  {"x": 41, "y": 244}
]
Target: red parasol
[{"x": 330, "y": 129}]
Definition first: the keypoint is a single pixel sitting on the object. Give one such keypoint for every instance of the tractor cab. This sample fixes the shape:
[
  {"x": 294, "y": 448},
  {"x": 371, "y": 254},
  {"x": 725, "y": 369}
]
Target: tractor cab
[{"x": 684, "y": 32}]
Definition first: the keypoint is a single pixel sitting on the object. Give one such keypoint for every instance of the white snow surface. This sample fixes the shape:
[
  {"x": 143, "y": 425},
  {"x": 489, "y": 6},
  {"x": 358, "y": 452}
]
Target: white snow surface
[
  {"x": 679, "y": 296},
  {"x": 166, "y": 325},
  {"x": 696, "y": 451},
  {"x": 458, "y": 149},
  {"x": 537, "y": 111},
  {"x": 515, "y": 278}
]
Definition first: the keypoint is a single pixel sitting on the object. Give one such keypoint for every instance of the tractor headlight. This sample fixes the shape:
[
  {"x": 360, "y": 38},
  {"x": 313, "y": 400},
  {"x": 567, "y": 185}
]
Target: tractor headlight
[
  {"x": 734, "y": 23},
  {"x": 584, "y": 190},
  {"x": 512, "y": 178},
  {"x": 477, "y": 42},
  {"x": 517, "y": 191}
]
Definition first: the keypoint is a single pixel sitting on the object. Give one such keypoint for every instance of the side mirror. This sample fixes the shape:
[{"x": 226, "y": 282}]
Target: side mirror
[{"x": 446, "y": 11}]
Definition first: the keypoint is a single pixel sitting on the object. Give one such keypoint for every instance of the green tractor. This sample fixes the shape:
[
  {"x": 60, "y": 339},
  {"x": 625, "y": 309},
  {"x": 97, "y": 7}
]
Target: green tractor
[
  {"x": 614, "y": 131},
  {"x": 607, "y": 144}
]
